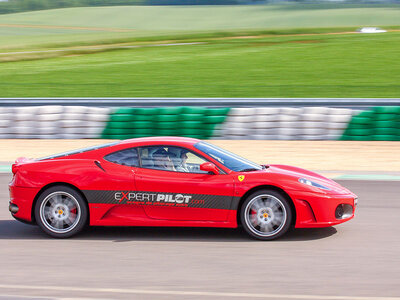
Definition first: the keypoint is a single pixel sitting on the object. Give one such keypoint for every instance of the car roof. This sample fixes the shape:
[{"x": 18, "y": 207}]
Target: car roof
[
  {"x": 161, "y": 139},
  {"x": 136, "y": 142}
]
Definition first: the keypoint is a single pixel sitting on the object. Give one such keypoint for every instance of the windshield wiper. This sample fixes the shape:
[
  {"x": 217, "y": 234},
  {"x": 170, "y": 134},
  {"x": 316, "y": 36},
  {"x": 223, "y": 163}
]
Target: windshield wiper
[{"x": 248, "y": 170}]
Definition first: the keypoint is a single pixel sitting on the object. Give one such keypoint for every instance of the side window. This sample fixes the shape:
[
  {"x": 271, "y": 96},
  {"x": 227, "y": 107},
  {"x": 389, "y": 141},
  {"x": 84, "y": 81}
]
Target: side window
[
  {"x": 170, "y": 158},
  {"x": 126, "y": 157}
]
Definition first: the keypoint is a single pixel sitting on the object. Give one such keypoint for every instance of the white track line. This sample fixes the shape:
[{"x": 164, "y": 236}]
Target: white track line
[
  {"x": 191, "y": 293},
  {"x": 9, "y": 296},
  {"x": 102, "y": 48}
]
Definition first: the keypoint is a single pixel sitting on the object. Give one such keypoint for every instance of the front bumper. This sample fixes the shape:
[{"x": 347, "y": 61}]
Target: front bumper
[{"x": 321, "y": 210}]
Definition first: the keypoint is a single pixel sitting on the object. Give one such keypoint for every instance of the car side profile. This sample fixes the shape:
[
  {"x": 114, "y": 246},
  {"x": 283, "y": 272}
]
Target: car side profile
[{"x": 171, "y": 181}]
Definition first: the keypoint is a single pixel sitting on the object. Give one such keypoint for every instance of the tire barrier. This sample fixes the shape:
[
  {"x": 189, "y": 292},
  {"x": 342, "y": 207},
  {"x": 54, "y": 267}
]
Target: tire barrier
[
  {"x": 197, "y": 122},
  {"x": 285, "y": 123},
  {"x": 261, "y": 123},
  {"x": 52, "y": 122},
  {"x": 378, "y": 124}
]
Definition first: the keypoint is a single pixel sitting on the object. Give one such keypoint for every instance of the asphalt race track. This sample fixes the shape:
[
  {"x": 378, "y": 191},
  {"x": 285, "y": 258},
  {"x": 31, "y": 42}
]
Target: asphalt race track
[{"x": 356, "y": 260}]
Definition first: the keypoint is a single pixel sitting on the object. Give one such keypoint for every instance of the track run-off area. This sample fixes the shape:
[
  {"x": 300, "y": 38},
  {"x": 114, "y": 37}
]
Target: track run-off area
[{"x": 356, "y": 260}]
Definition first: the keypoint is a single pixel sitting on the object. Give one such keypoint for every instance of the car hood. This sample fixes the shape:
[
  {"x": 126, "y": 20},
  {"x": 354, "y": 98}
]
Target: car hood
[{"x": 295, "y": 174}]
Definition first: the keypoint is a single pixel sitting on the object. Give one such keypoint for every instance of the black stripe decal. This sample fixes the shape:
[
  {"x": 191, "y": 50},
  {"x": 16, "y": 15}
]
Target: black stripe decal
[{"x": 162, "y": 199}]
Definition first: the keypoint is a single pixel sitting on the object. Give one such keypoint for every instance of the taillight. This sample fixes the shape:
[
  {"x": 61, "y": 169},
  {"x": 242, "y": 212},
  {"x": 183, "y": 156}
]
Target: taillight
[
  {"x": 18, "y": 162},
  {"x": 15, "y": 168}
]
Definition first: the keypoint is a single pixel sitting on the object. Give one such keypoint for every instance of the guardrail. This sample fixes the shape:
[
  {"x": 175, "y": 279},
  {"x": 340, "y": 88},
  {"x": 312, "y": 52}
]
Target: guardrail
[{"x": 357, "y": 103}]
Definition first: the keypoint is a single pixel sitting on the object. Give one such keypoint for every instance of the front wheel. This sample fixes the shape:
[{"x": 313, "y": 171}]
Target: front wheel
[
  {"x": 266, "y": 215},
  {"x": 61, "y": 212}
]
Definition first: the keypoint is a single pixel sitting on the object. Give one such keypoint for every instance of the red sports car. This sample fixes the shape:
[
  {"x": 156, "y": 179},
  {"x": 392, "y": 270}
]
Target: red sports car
[{"x": 171, "y": 181}]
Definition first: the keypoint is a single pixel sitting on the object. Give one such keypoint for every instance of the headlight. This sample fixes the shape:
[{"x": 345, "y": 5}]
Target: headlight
[{"x": 314, "y": 184}]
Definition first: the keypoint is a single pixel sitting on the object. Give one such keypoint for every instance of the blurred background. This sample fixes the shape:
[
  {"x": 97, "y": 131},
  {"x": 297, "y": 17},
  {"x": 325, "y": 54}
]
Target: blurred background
[{"x": 308, "y": 83}]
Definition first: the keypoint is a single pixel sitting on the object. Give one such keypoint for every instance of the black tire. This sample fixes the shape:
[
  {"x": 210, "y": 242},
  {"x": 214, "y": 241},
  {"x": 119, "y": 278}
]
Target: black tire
[
  {"x": 266, "y": 209},
  {"x": 61, "y": 212}
]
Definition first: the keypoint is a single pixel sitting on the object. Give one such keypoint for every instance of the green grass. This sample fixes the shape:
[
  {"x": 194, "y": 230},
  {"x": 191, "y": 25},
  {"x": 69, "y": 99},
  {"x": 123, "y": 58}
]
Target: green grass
[
  {"x": 209, "y": 17},
  {"x": 351, "y": 65},
  {"x": 171, "y": 20},
  {"x": 344, "y": 65}
]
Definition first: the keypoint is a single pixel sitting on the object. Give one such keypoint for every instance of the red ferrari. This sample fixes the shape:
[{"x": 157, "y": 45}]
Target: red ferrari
[{"x": 171, "y": 181}]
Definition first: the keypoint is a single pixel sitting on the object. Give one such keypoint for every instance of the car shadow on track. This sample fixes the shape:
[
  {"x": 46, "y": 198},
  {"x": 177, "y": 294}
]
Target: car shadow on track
[{"x": 12, "y": 229}]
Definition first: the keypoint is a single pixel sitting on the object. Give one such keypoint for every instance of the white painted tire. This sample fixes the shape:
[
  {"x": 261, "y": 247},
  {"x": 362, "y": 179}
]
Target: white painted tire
[
  {"x": 6, "y": 130},
  {"x": 269, "y": 131},
  {"x": 239, "y": 125},
  {"x": 4, "y": 122},
  {"x": 289, "y": 131},
  {"x": 48, "y": 130},
  {"x": 31, "y": 124},
  {"x": 48, "y": 117},
  {"x": 260, "y": 125},
  {"x": 338, "y": 132},
  {"x": 288, "y": 118},
  {"x": 242, "y": 111},
  {"x": 267, "y": 110},
  {"x": 313, "y": 131},
  {"x": 50, "y": 109},
  {"x": 283, "y": 137},
  {"x": 313, "y": 124},
  {"x": 74, "y": 116},
  {"x": 32, "y": 110},
  {"x": 238, "y": 131},
  {"x": 332, "y": 137},
  {"x": 25, "y": 136},
  {"x": 6, "y": 116},
  {"x": 313, "y": 137},
  {"x": 24, "y": 130},
  {"x": 315, "y": 110},
  {"x": 340, "y": 111},
  {"x": 266, "y": 118},
  {"x": 98, "y": 117},
  {"x": 339, "y": 118},
  {"x": 6, "y": 110},
  {"x": 337, "y": 125},
  {"x": 239, "y": 119},
  {"x": 265, "y": 136},
  {"x": 98, "y": 110},
  {"x": 23, "y": 117},
  {"x": 313, "y": 117},
  {"x": 72, "y": 123},
  {"x": 290, "y": 111},
  {"x": 296, "y": 124},
  {"x": 75, "y": 109}
]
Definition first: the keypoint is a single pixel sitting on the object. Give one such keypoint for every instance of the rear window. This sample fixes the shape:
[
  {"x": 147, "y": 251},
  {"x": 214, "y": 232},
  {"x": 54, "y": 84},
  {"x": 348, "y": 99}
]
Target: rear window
[
  {"x": 77, "y": 151},
  {"x": 126, "y": 157}
]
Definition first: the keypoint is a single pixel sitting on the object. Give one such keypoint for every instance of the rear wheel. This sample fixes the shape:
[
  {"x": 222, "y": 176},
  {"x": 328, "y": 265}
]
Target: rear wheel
[
  {"x": 61, "y": 212},
  {"x": 266, "y": 215}
]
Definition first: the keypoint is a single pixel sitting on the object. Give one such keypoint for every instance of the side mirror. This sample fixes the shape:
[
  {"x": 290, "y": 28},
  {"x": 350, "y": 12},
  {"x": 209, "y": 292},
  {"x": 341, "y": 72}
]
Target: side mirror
[{"x": 209, "y": 167}]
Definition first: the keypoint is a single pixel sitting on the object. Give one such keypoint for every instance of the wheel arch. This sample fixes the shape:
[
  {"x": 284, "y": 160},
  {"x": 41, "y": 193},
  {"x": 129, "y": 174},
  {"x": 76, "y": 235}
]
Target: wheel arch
[
  {"x": 43, "y": 189},
  {"x": 266, "y": 187}
]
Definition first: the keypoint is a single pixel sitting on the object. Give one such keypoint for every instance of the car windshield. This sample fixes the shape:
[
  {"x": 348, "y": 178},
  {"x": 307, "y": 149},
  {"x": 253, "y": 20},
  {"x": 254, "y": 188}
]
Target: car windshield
[
  {"x": 228, "y": 159},
  {"x": 78, "y": 151}
]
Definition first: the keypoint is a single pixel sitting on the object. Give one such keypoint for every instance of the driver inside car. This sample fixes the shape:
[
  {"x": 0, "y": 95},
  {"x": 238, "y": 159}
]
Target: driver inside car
[
  {"x": 162, "y": 161},
  {"x": 179, "y": 158}
]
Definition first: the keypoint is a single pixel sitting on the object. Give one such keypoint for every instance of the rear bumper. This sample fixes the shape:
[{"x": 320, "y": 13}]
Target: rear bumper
[
  {"x": 21, "y": 202},
  {"x": 320, "y": 210}
]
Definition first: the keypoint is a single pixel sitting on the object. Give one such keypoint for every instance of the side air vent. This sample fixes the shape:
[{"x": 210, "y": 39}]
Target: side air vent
[{"x": 97, "y": 163}]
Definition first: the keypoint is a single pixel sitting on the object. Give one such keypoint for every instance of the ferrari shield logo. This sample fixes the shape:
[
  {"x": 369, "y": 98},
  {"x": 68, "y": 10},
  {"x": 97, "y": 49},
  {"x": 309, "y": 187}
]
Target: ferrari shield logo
[{"x": 241, "y": 177}]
